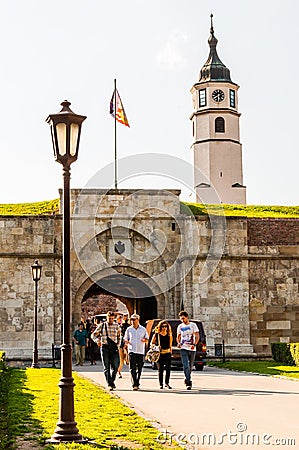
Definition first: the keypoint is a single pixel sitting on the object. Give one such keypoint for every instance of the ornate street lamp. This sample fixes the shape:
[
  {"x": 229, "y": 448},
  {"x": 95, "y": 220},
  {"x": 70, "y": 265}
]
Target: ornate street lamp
[
  {"x": 36, "y": 269},
  {"x": 65, "y": 130}
]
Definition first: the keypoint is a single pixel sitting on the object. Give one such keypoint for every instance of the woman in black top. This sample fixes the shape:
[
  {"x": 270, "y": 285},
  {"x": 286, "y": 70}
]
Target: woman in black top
[{"x": 163, "y": 338}]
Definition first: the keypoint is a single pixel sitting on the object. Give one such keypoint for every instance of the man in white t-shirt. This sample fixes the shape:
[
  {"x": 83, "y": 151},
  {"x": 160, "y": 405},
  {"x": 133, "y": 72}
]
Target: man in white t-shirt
[
  {"x": 135, "y": 338},
  {"x": 187, "y": 338}
]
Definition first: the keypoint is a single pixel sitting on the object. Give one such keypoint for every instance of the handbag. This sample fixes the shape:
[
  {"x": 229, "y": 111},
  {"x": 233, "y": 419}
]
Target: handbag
[
  {"x": 111, "y": 345},
  {"x": 153, "y": 353}
]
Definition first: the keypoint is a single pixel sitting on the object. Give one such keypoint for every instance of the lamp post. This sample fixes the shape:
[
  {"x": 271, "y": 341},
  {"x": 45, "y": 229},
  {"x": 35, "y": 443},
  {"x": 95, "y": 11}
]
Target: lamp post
[
  {"x": 36, "y": 270},
  {"x": 65, "y": 130}
]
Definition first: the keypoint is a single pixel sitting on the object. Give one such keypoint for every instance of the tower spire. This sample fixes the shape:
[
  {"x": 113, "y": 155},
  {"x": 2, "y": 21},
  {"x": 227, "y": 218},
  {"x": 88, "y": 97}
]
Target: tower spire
[
  {"x": 212, "y": 28},
  {"x": 214, "y": 69}
]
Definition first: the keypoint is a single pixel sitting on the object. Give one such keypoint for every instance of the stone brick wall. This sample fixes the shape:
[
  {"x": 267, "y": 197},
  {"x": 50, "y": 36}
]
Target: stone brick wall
[
  {"x": 22, "y": 240},
  {"x": 239, "y": 277},
  {"x": 264, "y": 232},
  {"x": 273, "y": 247}
]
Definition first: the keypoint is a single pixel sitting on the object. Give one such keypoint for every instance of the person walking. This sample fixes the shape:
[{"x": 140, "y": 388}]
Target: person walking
[
  {"x": 123, "y": 353},
  {"x": 163, "y": 338},
  {"x": 187, "y": 338},
  {"x": 80, "y": 337},
  {"x": 135, "y": 338},
  {"x": 92, "y": 347},
  {"x": 107, "y": 335}
]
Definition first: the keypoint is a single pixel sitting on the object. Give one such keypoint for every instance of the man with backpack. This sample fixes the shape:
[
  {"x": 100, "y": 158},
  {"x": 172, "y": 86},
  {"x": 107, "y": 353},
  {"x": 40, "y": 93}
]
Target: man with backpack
[{"x": 108, "y": 337}]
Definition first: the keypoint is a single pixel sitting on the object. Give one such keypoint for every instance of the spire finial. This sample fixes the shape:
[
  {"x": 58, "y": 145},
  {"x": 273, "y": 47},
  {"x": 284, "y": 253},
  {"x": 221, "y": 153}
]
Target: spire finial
[{"x": 212, "y": 28}]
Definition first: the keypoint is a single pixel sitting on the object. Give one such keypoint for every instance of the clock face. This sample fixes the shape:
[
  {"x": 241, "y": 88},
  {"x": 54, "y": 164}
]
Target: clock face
[{"x": 218, "y": 95}]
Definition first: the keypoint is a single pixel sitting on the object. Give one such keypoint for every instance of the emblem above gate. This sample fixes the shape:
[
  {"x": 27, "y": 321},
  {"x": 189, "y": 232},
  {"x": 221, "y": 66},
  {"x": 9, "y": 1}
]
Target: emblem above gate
[{"x": 119, "y": 247}]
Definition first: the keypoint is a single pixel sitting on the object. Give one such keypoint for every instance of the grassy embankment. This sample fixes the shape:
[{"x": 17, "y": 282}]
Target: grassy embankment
[
  {"x": 34, "y": 209},
  {"x": 261, "y": 367},
  {"x": 30, "y": 413},
  {"x": 243, "y": 210},
  {"x": 52, "y": 207}
]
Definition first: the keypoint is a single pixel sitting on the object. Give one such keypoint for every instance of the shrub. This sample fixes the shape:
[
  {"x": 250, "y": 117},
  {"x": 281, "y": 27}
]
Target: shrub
[
  {"x": 294, "y": 349},
  {"x": 286, "y": 353},
  {"x": 2, "y": 361},
  {"x": 4, "y": 380}
]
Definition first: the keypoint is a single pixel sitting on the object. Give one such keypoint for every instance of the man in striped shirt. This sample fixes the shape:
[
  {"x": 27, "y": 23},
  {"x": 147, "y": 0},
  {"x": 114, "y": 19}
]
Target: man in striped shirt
[{"x": 108, "y": 337}]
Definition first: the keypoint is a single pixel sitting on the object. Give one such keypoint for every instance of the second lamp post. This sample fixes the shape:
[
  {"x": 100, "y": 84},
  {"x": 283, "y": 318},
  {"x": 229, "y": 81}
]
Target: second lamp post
[
  {"x": 65, "y": 130},
  {"x": 36, "y": 270}
]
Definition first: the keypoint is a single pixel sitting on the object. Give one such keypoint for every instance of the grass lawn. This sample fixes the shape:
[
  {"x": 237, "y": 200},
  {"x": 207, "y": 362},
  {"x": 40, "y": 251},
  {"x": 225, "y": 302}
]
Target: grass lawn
[
  {"x": 263, "y": 211},
  {"x": 263, "y": 367},
  {"x": 24, "y": 209},
  {"x": 33, "y": 396}
]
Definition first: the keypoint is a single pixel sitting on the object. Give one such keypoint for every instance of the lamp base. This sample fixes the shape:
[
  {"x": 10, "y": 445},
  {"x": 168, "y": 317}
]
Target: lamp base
[{"x": 66, "y": 432}]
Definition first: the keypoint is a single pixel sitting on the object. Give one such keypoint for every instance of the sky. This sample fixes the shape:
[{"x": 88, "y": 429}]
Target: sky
[{"x": 71, "y": 49}]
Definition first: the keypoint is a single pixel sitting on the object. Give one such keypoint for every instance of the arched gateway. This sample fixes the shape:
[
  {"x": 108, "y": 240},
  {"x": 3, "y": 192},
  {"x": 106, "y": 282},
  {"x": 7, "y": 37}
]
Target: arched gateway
[{"x": 111, "y": 291}]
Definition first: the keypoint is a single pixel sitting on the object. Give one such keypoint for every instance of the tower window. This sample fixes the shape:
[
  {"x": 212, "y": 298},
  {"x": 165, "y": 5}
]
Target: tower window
[
  {"x": 219, "y": 125},
  {"x": 202, "y": 98},
  {"x": 232, "y": 97}
]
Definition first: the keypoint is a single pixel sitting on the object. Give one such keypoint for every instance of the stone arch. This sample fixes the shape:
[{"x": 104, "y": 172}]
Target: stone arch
[{"x": 130, "y": 278}]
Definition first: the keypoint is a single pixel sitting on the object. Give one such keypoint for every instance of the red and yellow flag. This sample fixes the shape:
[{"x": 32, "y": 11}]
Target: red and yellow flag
[{"x": 117, "y": 110}]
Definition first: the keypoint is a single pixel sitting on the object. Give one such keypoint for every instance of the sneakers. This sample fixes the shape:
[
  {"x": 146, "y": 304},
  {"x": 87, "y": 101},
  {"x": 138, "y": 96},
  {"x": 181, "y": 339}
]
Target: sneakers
[
  {"x": 135, "y": 388},
  {"x": 112, "y": 386},
  {"x": 188, "y": 385},
  {"x": 168, "y": 386}
]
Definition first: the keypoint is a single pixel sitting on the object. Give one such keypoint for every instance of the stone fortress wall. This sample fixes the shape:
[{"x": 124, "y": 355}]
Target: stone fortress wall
[{"x": 245, "y": 290}]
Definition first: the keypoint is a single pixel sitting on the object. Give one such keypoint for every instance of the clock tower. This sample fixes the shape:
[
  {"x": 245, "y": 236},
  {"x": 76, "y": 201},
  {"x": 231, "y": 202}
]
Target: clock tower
[{"x": 218, "y": 172}]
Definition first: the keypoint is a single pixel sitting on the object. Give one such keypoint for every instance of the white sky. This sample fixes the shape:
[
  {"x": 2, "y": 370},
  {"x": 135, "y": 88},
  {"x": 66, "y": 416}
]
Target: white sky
[{"x": 71, "y": 49}]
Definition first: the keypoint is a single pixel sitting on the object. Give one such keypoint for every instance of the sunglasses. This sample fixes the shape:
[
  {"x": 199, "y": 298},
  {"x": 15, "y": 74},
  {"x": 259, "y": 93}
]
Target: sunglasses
[{"x": 164, "y": 326}]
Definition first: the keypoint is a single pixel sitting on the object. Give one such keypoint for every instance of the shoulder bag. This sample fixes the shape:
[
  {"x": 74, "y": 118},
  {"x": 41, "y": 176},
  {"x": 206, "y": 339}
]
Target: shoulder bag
[
  {"x": 154, "y": 351},
  {"x": 111, "y": 345}
]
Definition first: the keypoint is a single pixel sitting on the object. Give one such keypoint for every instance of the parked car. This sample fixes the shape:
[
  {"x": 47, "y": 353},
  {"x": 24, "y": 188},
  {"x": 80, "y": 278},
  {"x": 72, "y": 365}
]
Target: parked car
[
  {"x": 201, "y": 347},
  {"x": 101, "y": 317}
]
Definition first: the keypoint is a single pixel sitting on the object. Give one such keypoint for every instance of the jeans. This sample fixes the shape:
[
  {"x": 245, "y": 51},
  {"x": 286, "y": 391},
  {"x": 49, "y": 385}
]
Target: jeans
[
  {"x": 110, "y": 363},
  {"x": 187, "y": 357},
  {"x": 136, "y": 364},
  {"x": 164, "y": 362}
]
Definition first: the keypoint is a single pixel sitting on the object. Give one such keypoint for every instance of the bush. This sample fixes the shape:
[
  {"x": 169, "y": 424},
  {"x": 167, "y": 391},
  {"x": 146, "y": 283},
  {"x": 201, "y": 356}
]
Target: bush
[
  {"x": 294, "y": 349},
  {"x": 286, "y": 353},
  {"x": 4, "y": 380},
  {"x": 2, "y": 361}
]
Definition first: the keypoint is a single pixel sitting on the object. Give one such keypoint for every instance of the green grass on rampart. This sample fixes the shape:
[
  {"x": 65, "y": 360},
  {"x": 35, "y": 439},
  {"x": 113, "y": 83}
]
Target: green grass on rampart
[
  {"x": 52, "y": 207},
  {"x": 34, "y": 209},
  {"x": 262, "y": 367},
  {"x": 242, "y": 210}
]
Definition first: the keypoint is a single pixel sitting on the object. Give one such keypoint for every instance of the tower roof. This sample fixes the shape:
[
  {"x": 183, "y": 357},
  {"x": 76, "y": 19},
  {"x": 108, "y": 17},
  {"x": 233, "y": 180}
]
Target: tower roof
[{"x": 214, "y": 69}]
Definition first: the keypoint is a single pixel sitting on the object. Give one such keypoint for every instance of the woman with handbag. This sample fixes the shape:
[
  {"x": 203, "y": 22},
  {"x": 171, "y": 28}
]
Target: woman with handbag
[{"x": 163, "y": 338}]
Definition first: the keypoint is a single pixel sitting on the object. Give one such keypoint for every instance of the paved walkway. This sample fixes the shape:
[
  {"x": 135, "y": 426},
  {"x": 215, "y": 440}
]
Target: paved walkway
[{"x": 223, "y": 410}]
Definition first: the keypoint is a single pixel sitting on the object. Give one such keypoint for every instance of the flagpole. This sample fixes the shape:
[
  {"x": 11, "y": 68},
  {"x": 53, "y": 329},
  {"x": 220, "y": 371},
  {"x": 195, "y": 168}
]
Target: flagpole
[{"x": 115, "y": 148}]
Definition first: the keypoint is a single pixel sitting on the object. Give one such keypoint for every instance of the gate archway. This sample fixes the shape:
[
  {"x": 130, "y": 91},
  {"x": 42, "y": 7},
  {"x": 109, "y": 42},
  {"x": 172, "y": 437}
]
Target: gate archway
[{"x": 133, "y": 293}]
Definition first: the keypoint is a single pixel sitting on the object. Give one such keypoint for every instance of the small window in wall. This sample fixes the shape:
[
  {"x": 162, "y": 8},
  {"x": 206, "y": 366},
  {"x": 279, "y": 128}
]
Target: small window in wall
[
  {"x": 232, "y": 97},
  {"x": 202, "y": 98},
  {"x": 219, "y": 125},
  {"x": 221, "y": 174},
  {"x": 193, "y": 129}
]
